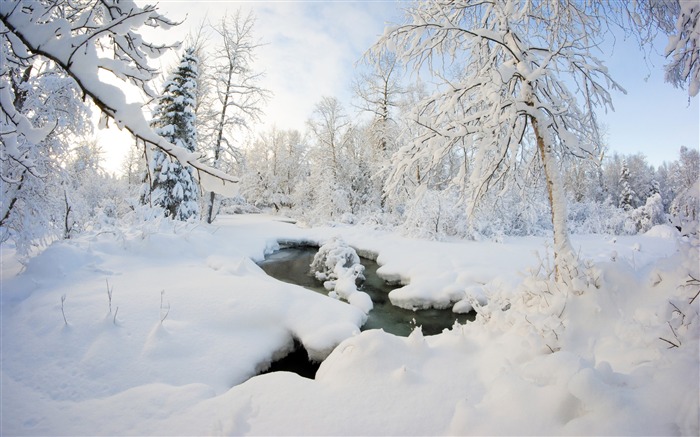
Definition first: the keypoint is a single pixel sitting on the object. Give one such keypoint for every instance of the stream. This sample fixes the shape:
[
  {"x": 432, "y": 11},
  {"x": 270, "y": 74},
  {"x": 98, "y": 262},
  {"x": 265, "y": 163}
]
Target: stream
[{"x": 292, "y": 265}]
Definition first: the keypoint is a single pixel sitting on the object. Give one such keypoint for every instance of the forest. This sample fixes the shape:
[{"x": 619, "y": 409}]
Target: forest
[
  {"x": 472, "y": 140},
  {"x": 375, "y": 162}
]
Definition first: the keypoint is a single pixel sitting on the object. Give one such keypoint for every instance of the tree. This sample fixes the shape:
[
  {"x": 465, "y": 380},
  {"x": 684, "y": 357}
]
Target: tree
[
  {"x": 511, "y": 91},
  {"x": 274, "y": 168},
  {"x": 170, "y": 185},
  {"x": 628, "y": 198},
  {"x": 379, "y": 92},
  {"x": 82, "y": 39},
  {"x": 680, "y": 21},
  {"x": 334, "y": 157},
  {"x": 41, "y": 115},
  {"x": 238, "y": 93},
  {"x": 92, "y": 197},
  {"x": 134, "y": 167},
  {"x": 685, "y": 207}
]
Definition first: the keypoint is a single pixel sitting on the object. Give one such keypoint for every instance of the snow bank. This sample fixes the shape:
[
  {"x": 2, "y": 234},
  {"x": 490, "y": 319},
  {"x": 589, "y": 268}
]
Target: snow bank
[
  {"x": 608, "y": 372},
  {"x": 226, "y": 320},
  {"x": 618, "y": 359}
]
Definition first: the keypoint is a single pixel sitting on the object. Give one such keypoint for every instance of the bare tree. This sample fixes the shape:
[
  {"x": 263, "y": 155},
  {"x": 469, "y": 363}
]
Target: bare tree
[
  {"x": 379, "y": 92},
  {"x": 330, "y": 126},
  {"x": 239, "y": 96}
]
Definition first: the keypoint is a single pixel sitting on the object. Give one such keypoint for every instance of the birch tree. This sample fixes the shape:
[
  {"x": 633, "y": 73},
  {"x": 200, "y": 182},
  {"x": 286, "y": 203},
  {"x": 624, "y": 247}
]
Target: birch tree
[{"x": 526, "y": 78}]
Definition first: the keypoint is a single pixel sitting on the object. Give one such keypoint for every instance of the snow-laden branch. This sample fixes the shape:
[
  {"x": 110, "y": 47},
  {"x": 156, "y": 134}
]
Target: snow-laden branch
[{"x": 31, "y": 29}]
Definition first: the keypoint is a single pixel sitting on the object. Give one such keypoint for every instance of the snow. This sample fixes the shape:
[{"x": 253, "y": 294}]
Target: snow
[
  {"x": 338, "y": 265},
  {"x": 531, "y": 363}
]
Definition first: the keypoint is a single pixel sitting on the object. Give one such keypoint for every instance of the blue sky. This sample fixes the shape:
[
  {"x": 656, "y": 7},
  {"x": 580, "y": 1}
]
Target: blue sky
[{"x": 312, "y": 48}]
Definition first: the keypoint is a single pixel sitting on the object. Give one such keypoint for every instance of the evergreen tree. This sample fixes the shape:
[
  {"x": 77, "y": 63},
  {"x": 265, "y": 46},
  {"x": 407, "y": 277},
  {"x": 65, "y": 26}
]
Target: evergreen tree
[
  {"x": 654, "y": 188},
  {"x": 627, "y": 196},
  {"x": 172, "y": 186}
]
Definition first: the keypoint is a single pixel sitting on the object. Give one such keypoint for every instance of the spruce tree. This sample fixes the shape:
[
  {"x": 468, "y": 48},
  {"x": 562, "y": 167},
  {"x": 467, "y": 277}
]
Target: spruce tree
[
  {"x": 172, "y": 186},
  {"x": 627, "y": 195}
]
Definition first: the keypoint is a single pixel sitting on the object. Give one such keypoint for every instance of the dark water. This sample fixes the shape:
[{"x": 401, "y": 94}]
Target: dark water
[
  {"x": 297, "y": 361},
  {"x": 292, "y": 266}
]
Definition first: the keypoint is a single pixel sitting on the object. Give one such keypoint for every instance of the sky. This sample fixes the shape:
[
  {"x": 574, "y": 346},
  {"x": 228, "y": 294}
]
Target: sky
[{"x": 311, "y": 49}]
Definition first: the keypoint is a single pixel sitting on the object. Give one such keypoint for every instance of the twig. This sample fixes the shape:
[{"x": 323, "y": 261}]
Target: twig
[
  {"x": 109, "y": 295},
  {"x": 677, "y": 310},
  {"x": 163, "y": 317},
  {"x": 63, "y": 299},
  {"x": 693, "y": 281},
  {"x": 692, "y": 299},
  {"x": 115, "y": 316},
  {"x": 669, "y": 342},
  {"x": 673, "y": 331}
]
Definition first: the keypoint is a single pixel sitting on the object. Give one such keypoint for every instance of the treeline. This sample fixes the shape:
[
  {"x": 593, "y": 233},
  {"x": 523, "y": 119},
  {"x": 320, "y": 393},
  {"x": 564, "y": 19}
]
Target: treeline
[{"x": 339, "y": 173}]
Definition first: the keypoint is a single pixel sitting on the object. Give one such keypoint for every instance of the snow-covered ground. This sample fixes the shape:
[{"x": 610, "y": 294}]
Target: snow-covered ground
[{"x": 193, "y": 318}]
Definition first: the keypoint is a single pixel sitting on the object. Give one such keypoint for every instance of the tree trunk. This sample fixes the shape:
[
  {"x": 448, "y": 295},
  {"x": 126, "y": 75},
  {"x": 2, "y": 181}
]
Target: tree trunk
[
  {"x": 557, "y": 203},
  {"x": 210, "y": 213}
]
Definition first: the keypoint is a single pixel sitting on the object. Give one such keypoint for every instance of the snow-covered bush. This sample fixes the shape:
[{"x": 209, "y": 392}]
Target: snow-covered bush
[
  {"x": 685, "y": 209},
  {"x": 591, "y": 217},
  {"x": 338, "y": 265},
  {"x": 513, "y": 212},
  {"x": 435, "y": 214},
  {"x": 647, "y": 216},
  {"x": 538, "y": 307}
]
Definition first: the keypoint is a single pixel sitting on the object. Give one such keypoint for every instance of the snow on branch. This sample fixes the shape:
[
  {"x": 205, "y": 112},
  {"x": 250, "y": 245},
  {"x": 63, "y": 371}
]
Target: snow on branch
[{"x": 72, "y": 39}]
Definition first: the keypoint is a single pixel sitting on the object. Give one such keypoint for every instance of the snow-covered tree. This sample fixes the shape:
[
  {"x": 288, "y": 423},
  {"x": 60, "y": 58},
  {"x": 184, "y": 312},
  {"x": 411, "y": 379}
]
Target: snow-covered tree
[
  {"x": 83, "y": 39},
  {"x": 331, "y": 131},
  {"x": 687, "y": 169},
  {"x": 379, "y": 92},
  {"x": 511, "y": 91},
  {"x": 628, "y": 198},
  {"x": 239, "y": 96},
  {"x": 170, "y": 185},
  {"x": 41, "y": 115},
  {"x": 680, "y": 21},
  {"x": 92, "y": 197},
  {"x": 275, "y": 165},
  {"x": 648, "y": 215},
  {"x": 685, "y": 207},
  {"x": 134, "y": 167},
  {"x": 683, "y": 49}
]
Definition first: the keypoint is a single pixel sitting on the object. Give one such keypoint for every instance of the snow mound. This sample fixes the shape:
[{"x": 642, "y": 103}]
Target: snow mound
[
  {"x": 662, "y": 231},
  {"x": 339, "y": 266}
]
